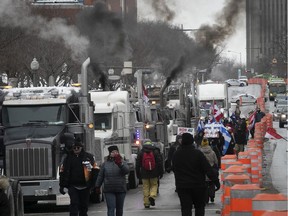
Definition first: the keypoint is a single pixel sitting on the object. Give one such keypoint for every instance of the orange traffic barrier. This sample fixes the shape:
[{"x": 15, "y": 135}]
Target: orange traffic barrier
[
  {"x": 245, "y": 159},
  {"x": 227, "y": 158},
  {"x": 263, "y": 202},
  {"x": 275, "y": 213},
  {"x": 228, "y": 182},
  {"x": 232, "y": 163},
  {"x": 241, "y": 199},
  {"x": 236, "y": 170}
]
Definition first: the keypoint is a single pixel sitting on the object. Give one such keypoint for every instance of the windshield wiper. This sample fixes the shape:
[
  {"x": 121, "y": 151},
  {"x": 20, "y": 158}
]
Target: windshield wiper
[{"x": 36, "y": 123}]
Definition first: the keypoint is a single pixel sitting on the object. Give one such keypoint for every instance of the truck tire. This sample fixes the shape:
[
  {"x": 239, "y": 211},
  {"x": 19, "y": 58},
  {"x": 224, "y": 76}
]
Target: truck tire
[
  {"x": 18, "y": 198},
  {"x": 9, "y": 193},
  {"x": 133, "y": 181}
]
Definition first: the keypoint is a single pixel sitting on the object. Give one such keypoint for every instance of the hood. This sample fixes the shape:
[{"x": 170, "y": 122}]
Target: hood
[
  {"x": 206, "y": 149},
  {"x": 44, "y": 133},
  {"x": 4, "y": 183}
]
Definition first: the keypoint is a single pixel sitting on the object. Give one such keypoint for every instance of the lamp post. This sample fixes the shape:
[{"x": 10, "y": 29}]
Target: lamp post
[
  {"x": 240, "y": 54},
  {"x": 34, "y": 67}
]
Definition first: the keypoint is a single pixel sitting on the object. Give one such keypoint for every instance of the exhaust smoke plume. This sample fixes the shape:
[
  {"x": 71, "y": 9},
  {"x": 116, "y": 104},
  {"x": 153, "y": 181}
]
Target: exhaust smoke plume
[
  {"x": 162, "y": 10},
  {"x": 106, "y": 35},
  {"x": 17, "y": 14},
  {"x": 226, "y": 24},
  {"x": 176, "y": 71}
]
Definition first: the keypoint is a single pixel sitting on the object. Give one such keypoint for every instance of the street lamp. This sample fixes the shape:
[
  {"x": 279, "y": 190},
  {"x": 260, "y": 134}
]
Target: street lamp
[
  {"x": 34, "y": 67},
  {"x": 240, "y": 54},
  {"x": 239, "y": 70}
]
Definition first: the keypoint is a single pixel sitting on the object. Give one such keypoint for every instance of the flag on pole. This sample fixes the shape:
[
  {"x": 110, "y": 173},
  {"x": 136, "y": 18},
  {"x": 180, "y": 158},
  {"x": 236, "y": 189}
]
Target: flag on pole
[
  {"x": 272, "y": 134},
  {"x": 200, "y": 126},
  {"x": 227, "y": 138},
  {"x": 218, "y": 115},
  {"x": 145, "y": 94},
  {"x": 251, "y": 120}
]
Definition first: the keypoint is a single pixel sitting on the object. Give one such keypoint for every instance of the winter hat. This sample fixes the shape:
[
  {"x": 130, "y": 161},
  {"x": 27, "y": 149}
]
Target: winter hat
[
  {"x": 78, "y": 142},
  {"x": 148, "y": 142},
  {"x": 187, "y": 139},
  {"x": 204, "y": 142},
  {"x": 112, "y": 148}
]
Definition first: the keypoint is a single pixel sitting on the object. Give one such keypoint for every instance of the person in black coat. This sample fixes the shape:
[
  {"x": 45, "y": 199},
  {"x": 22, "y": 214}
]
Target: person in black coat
[
  {"x": 4, "y": 202},
  {"x": 78, "y": 173},
  {"x": 172, "y": 150},
  {"x": 190, "y": 167}
]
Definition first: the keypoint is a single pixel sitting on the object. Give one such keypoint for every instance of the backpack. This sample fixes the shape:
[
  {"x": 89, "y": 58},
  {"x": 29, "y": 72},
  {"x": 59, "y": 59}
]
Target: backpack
[{"x": 148, "y": 161}]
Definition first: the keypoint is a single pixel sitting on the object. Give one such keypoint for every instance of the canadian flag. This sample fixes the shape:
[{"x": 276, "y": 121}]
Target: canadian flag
[
  {"x": 145, "y": 94},
  {"x": 218, "y": 115},
  {"x": 272, "y": 134}
]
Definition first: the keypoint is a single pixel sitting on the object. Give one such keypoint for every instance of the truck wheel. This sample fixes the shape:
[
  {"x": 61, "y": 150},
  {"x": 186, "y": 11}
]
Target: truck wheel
[
  {"x": 18, "y": 198},
  {"x": 9, "y": 193},
  {"x": 133, "y": 181}
]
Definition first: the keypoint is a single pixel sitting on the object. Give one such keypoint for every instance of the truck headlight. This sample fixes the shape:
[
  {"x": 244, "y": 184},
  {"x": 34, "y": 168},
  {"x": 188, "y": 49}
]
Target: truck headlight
[{"x": 283, "y": 116}]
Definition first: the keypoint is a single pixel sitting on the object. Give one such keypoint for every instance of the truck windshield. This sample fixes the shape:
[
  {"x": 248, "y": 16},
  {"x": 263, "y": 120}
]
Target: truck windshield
[
  {"x": 102, "y": 121},
  {"x": 14, "y": 116},
  {"x": 277, "y": 88}
]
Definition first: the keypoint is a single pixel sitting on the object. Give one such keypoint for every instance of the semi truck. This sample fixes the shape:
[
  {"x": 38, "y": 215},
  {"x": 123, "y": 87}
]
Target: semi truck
[
  {"x": 114, "y": 122},
  {"x": 213, "y": 93},
  {"x": 276, "y": 86},
  {"x": 35, "y": 122}
]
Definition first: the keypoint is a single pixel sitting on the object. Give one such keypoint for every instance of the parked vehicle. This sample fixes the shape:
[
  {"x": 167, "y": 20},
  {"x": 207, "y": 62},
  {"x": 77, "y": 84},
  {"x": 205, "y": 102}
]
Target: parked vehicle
[
  {"x": 280, "y": 97},
  {"x": 283, "y": 118},
  {"x": 243, "y": 79},
  {"x": 235, "y": 82},
  {"x": 246, "y": 98},
  {"x": 280, "y": 105}
]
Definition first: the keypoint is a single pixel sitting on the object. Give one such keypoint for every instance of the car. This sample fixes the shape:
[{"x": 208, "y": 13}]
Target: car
[
  {"x": 244, "y": 79},
  {"x": 280, "y": 105},
  {"x": 283, "y": 116},
  {"x": 235, "y": 82},
  {"x": 246, "y": 98},
  {"x": 280, "y": 97}
]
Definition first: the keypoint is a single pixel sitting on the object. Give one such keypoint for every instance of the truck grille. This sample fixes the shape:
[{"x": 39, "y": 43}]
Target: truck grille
[{"x": 24, "y": 163}]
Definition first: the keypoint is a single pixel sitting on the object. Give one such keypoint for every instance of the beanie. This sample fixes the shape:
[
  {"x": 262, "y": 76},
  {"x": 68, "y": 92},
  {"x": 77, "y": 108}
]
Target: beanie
[
  {"x": 204, "y": 142},
  {"x": 179, "y": 136},
  {"x": 112, "y": 148},
  {"x": 78, "y": 142},
  {"x": 187, "y": 139}
]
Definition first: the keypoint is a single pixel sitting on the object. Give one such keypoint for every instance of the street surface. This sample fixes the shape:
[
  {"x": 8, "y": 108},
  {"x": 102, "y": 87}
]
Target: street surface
[{"x": 167, "y": 203}]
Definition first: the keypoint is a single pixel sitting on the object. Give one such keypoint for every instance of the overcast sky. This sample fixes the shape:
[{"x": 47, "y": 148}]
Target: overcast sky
[{"x": 193, "y": 13}]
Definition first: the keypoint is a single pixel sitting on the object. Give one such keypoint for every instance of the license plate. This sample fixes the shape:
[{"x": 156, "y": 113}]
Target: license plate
[{"x": 41, "y": 192}]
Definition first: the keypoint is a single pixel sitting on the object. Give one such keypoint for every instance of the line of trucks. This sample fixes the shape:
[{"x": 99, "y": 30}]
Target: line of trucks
[{"x": 35, "y": 121}]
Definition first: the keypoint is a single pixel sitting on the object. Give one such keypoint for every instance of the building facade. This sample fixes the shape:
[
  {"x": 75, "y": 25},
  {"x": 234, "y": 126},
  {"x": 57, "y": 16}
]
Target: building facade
[
  {"x": 266, "y": 33},
  {"x": 68, "y": 9}
]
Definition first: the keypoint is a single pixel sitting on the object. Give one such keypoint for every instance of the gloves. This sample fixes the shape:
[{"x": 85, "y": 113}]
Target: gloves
[
  {"x": 61, "y": 190},
  {"x": 118, "y": 159},
  {"x": 98, "y": 190},
  {"x": 217, "y": 185}
]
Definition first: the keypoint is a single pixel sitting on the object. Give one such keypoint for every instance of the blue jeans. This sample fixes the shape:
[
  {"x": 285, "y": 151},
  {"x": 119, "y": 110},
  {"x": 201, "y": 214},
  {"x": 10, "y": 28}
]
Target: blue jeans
[{"x": 115, "y": 201}]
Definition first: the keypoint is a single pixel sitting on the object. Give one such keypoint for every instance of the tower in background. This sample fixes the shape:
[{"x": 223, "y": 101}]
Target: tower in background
[{"x": 266, "y": 32}]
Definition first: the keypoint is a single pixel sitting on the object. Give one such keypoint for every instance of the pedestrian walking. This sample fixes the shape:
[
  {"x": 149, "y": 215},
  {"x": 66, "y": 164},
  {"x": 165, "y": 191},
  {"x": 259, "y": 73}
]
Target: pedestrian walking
[
  {"x": 78, "y": 173},
  {"x": 240, "y": 136},
  {"x": 4, "y": 202},
  {"x": 190, "y": 167},
  {"x": 112, "y": 175},
  {"x": 258, "y": 116},
  {"x": 149, "y": 167},
  {"x": 213, "y": 161},
  {"x": 172, "y": 150}
]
